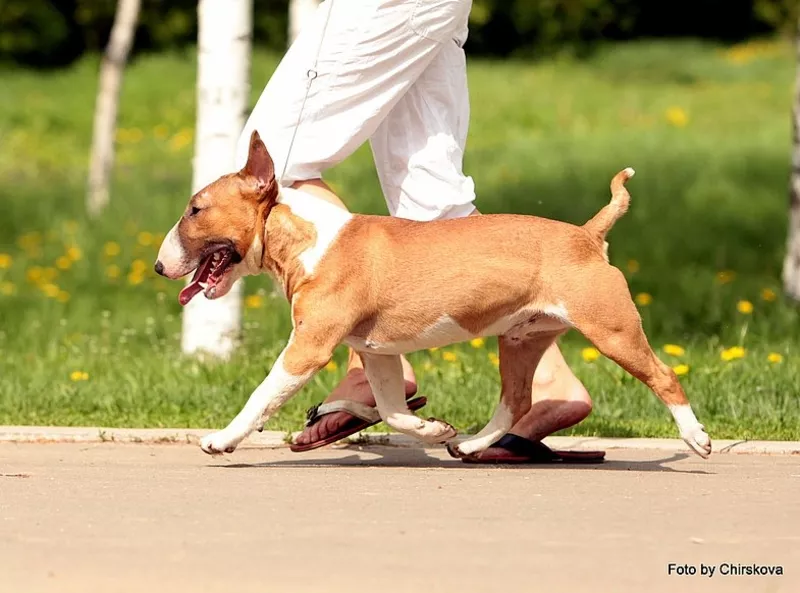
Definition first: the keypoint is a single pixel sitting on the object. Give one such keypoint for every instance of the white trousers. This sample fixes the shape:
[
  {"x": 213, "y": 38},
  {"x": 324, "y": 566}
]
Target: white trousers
[{"x": 389, "y": 71}]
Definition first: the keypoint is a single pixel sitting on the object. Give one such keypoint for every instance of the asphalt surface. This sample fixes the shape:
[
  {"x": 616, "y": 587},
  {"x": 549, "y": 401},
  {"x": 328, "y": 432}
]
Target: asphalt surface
[{"x": 141, "y": 518}]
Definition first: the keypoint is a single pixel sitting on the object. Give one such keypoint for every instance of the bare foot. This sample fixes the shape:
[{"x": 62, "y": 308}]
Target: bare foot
[
  {"x": 353, "y": 387},
  {"x": 559, "y": 400}
]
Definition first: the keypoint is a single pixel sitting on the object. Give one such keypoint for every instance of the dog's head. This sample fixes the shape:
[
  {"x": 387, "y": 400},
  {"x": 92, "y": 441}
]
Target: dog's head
[{"x": 219, "y": 236}]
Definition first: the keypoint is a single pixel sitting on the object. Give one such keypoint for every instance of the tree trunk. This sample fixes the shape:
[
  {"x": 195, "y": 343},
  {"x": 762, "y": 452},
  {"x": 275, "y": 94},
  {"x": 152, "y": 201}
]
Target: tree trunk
[
  {"x": 791, "y": 265},
  {"x": 300, "y": 11},
  {"x": 223, "y": 60},
  {"x": 105, "y": 114}
]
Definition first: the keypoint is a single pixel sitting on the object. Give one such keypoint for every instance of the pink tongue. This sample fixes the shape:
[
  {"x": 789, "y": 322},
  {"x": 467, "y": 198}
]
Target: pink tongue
[
  {"x": 193, "y": 288},
  {"x": 188, "y": 293}
]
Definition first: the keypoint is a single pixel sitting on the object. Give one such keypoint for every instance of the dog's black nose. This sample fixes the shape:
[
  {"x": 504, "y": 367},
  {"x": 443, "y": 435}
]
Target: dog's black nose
[{"x": 159, "y": 268}]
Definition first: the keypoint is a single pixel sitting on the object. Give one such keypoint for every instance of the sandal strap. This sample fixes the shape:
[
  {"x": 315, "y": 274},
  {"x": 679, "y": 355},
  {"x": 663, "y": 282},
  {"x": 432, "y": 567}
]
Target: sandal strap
[
  {"x": 525, "y": 447},
  {"x": 356, "y": 409}
]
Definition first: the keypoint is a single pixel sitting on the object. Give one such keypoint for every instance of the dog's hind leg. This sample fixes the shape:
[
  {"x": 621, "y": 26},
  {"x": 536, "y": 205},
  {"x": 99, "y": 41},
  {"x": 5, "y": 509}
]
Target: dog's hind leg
[
  {"x": 519, "y": 357},
  {"x": 385, "y": 375},
  {"x": 604, "y": 312}
]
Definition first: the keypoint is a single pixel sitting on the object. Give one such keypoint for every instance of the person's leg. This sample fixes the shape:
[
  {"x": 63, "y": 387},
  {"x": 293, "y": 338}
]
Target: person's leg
[
  {"x": 369, "y": 53},
  {"x": 418, "y": 151}
]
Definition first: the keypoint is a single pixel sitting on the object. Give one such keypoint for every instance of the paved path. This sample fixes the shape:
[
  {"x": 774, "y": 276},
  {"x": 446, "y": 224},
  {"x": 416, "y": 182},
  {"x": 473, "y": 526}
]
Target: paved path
[{"x": 152, "y": 518}]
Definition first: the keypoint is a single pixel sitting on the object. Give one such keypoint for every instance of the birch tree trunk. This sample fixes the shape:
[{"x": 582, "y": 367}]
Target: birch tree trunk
[
  {"x": 223, "y": 61},
  {"x": 105, "y": 114},
  {"x": 791, "y": 265},
  {"x": 300, "y": 12}
]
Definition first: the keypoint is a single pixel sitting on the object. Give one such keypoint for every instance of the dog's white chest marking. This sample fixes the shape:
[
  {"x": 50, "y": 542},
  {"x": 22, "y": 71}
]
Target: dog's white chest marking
[
  {"x": 328, "y": 221},
  {"x": 521, "y": 325}
]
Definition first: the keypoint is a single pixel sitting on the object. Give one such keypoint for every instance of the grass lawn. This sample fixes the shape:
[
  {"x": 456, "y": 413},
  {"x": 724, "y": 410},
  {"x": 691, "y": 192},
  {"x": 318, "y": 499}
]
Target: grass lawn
[{"x": 88, "y": 335}]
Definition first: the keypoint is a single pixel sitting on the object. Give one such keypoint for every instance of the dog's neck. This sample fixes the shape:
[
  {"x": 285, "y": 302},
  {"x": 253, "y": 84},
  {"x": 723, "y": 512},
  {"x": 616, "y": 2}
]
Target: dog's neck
[{"x": 298, "y": 232}]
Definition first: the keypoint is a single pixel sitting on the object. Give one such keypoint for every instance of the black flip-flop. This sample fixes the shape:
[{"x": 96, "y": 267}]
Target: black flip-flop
[{"x": 528, "y": 451}]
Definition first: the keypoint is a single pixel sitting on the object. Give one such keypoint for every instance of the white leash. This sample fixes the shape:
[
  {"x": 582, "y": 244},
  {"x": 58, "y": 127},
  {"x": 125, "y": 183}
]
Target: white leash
[{"x": 311, "y": 74}]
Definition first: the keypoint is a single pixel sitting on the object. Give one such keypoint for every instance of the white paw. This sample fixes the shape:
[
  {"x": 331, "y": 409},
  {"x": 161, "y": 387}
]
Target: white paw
[
  {"x": 698, "y": 440},
  {"x": 457, "y": 451},
  {"x": 469, "y": 448},
  {"x": 218, "y": 443},
  {"x": 437, "y": 432}
]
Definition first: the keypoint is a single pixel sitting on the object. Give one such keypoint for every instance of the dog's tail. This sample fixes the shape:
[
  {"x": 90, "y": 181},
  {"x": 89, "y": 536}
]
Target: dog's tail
[{"x": 602, "y": 222}]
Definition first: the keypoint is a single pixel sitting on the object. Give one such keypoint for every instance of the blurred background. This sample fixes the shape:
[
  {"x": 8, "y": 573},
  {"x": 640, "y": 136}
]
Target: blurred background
[
  {"x": 54, "y": 33},
  {"x": 696, "y": 96}
]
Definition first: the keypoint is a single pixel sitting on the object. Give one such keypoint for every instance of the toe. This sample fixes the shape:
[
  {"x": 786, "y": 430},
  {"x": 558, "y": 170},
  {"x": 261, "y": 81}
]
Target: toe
[{"x": 323, "y": 428}]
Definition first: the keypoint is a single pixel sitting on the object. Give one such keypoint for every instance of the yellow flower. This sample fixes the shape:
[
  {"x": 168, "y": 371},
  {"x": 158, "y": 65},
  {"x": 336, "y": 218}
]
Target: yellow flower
[
  {"x": 5, "y": 261},
  {"x": 112, "y": 271},
  {"x": 74, "y": 253},
  {"x": 427, "y": 365},
  {"x": 769, "y": 295},
  {"x": 160, "y": 131},
  {"x": 49, "y": 274},
  {"x": 138, "y": 267},
  {"x": 732, "y": 353},
  {"x": 493, "y": 358},
  {"x": 744, "y": 307},
  {"x": 476, "y": 342},
  {"x": 726, "y": 276},
  {"x": 254, "y": 301},
  {"x": 7, "y": 288},
  {"x": 590, "y": 354},
  {"x": 181, "y": 140},
  {"x": 331, "y": 366},
  {"x": 677, "y": 117},
  {"x": 774, "y": 357},
  {"x": 674, "y": 350},
  {"x": 135, "y": 278},
  {"x": 63, "y": 263},
  {"x": 145, "y": 239},
  {"x": 432, "y": 349},
  {"x": 449, "y": 356},
  {"x": 34, "y": 274},
  {"x": 51, "y": 290},
  {"x": 111, "y": 249},
  {"x": 643, "y": 299},
  {"x": 62, "y": 296},
  {"x": 30, "y": 241},
  {"x": 79, "y": 376},
  {"x": 633, "y": 266},
  {"x": 681, "y": 369}
]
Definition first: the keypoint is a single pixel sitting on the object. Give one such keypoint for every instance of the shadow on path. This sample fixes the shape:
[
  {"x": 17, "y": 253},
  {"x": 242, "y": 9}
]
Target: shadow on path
[{"x": 418, "y": 458}]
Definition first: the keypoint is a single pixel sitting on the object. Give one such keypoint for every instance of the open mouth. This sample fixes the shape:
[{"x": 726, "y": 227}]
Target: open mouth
[{"x": 208, "y": 274}]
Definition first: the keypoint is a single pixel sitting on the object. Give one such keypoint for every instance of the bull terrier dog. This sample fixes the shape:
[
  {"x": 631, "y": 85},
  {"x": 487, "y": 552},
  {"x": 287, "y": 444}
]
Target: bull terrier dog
[{"x": 388, "y": 286}]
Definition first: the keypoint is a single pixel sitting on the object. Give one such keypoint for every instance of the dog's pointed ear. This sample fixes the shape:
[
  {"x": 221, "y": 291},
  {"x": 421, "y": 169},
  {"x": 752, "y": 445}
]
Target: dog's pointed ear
[{"x": 260, "y": 168}]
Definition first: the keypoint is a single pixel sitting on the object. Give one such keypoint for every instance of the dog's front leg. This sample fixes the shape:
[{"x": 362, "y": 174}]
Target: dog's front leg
[
  {"x": 294, "y": 367},
  {"x": 385, "y": 375}
]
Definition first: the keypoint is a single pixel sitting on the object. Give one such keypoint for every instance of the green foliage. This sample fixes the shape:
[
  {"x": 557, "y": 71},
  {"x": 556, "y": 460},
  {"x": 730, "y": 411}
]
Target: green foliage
[{"x": 54, "y": 32}]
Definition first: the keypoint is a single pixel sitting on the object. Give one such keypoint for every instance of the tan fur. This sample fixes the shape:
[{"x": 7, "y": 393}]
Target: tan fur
[
  {"x": 288, "y": 236},
  {"x": 386, "y": 281}
]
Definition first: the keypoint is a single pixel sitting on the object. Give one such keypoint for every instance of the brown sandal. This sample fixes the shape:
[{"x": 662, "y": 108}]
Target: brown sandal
[{"x": 363, "y": 416}]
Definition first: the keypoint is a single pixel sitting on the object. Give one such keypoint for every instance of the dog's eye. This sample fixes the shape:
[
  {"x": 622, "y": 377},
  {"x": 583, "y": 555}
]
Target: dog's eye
[{"x": 194, "y": 211}]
